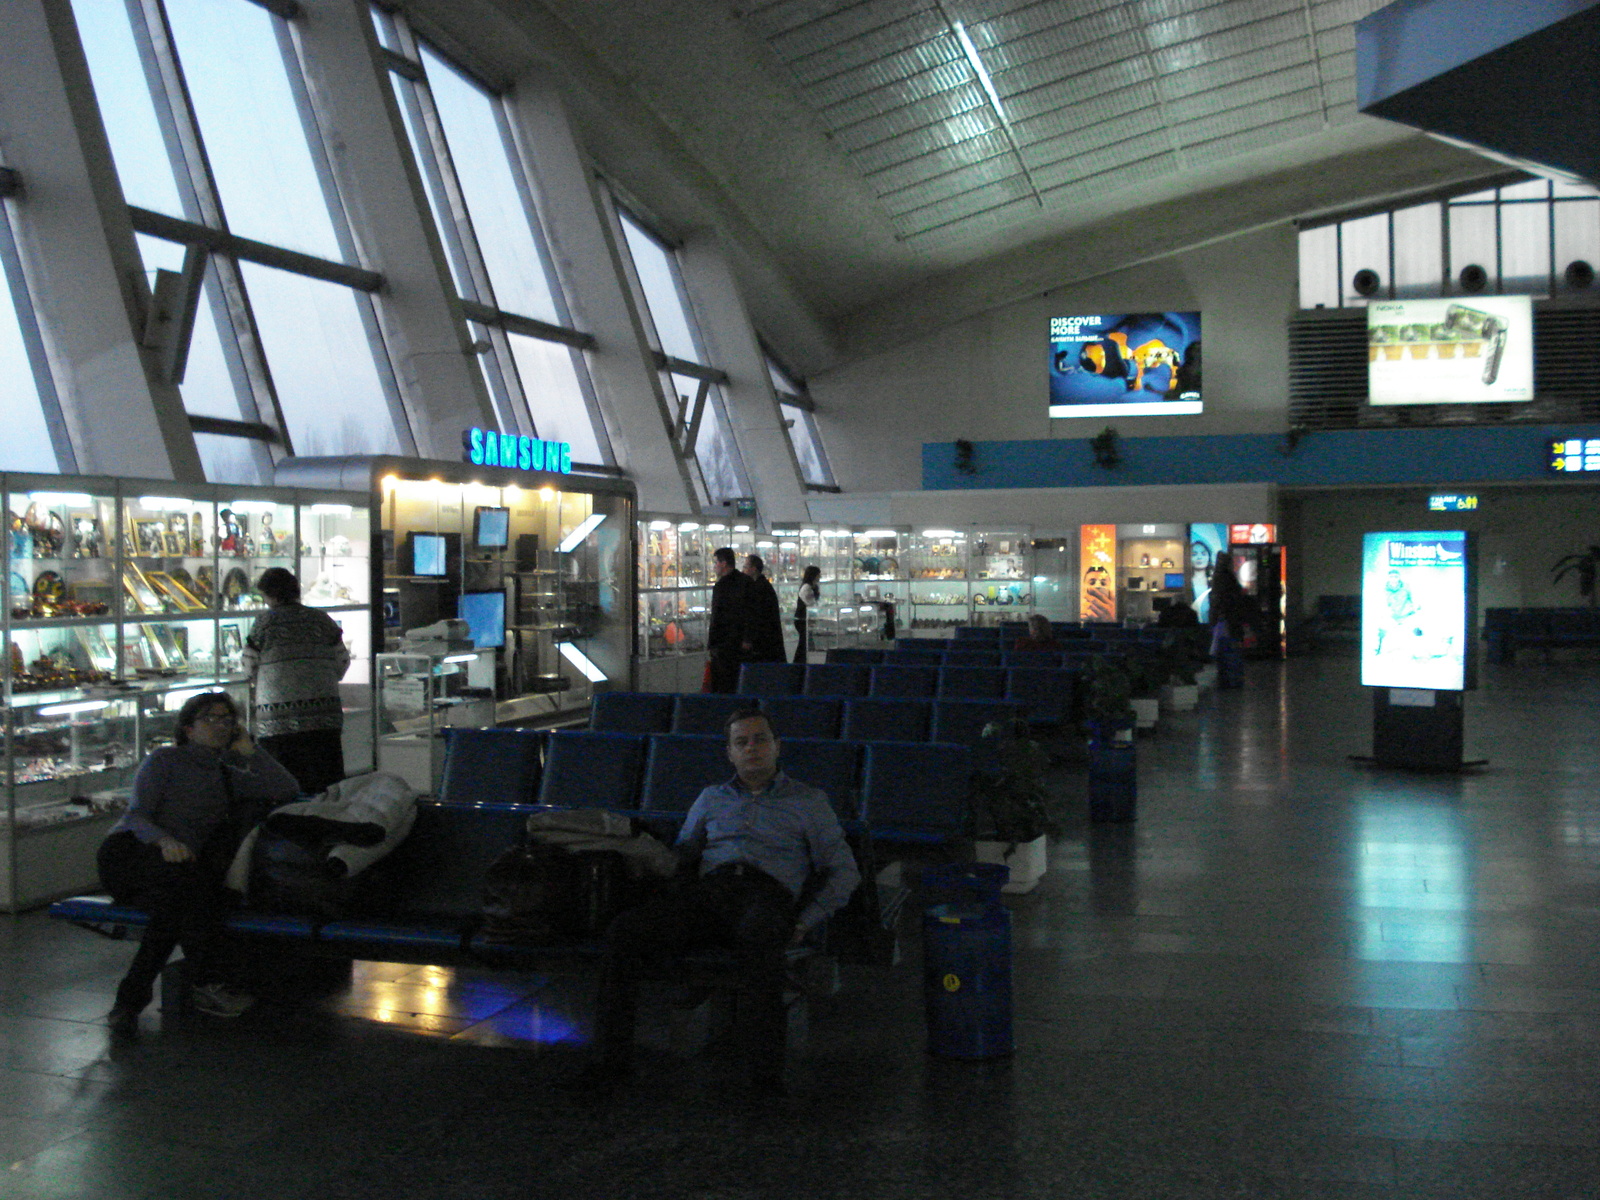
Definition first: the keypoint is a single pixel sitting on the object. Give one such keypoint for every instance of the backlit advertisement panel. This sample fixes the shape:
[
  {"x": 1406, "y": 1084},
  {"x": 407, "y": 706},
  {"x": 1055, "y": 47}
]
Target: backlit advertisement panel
[
  {"x": 1207, "y": 541},
  {"x": 1477, "y": 350},
  {"x": 1125, "y": 364},
  {"x": 1416, "y": 610},
  {"x": 1097, "y": 559}
]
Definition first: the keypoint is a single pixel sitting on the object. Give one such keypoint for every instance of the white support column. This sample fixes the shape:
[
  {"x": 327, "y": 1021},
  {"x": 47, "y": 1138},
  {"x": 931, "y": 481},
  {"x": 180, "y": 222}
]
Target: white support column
[
  {"x": 440, "y": 384},
  {"x": 80, "y": 258},
  {"x": 590, "y": 264},
  {"x": 752, "y": 405}
]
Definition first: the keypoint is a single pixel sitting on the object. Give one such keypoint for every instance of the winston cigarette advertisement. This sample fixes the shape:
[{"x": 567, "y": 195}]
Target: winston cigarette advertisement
[{"x": 1414, "y": 592}]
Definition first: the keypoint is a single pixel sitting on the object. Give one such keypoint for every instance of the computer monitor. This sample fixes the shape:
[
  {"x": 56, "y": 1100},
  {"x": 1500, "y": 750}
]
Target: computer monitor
[
  {"x": 1173, "y": 581},
  {"x": 485, "y": 615},
  {"x": 491, "y": 528},
  {"x": 428, "y": 554}
]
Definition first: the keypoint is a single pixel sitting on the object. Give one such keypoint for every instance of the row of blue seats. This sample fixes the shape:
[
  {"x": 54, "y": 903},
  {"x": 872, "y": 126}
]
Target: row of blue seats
[
  {"x": 1074, "y": 655},
  {"x": 854, "y": 718},
  {"x": 1045, "y": 695},
  {"x": 897, "y": 791}
]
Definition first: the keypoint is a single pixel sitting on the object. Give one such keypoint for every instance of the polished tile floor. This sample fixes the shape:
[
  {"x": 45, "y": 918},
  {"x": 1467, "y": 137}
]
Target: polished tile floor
[{"x": 1295, "y": 976}]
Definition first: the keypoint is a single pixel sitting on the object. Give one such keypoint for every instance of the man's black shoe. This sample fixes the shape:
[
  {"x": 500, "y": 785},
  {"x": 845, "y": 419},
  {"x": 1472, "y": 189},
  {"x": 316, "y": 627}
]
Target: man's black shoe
[{"x": 123, "y": 1021}]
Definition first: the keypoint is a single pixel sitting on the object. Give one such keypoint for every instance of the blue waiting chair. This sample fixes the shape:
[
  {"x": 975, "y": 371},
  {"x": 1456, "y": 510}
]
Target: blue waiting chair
[
  {"x": 632, "y": 712},
  {"x": 1044, "y": 694},
  {"x": 490, "y": 766},
  {"x": 917, "y": 793},
  {"x": 585, "y": 769},
  {"x": 771, "y": 679},
  {"x": 972, "y": 683},
  {"x": 904, "y": 681},
  {"x": 837, "y": 679},
  {"x": 831, "y": 765},
  {"x": 706, "y": 712},
  {"x": 861, "y": 655},
  {"x": 678, "y": 767},
  {"x": 803, "y": 716},
  {"x": 885, "y": 720}
]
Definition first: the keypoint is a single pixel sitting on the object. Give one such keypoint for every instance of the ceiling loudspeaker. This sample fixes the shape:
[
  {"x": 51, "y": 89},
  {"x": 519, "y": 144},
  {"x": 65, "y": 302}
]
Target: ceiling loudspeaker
[
  {"x": 1578, "y": 274},
  {"x": 1365, "y": 281},
  {"x": 1473, "y": 278}
]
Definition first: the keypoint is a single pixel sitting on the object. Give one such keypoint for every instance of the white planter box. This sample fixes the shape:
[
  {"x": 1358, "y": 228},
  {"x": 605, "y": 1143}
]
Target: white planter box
[
  {"x": 1180, "y": 697},
  {"x": 1145, "y": 712},
  {"x": 1026, "y": 861},
  {"x": 1206, "y": 676}
]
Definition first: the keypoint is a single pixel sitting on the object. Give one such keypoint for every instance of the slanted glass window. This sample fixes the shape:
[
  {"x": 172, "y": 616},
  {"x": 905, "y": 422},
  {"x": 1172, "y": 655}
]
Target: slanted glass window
[
  {"x": 218, "y": 150},
  {"x": 699, "y": 417},
  {"x": 28, "y": 409},
  {"x": 795, "y": 406},
  {"x": 483, "y": 205}
]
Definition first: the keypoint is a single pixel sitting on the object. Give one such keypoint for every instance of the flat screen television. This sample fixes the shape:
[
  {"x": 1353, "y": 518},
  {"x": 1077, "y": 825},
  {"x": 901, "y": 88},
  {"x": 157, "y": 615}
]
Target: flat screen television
[
  {"x": 1470, "y": 350},
  {"x": 1172, "y": 581},
  {"x": 429, "y": 554},
  {"x": 485, "y": 615},
  {"x": 1125, "y": 365},
  {"x": 491, "y": 528}
]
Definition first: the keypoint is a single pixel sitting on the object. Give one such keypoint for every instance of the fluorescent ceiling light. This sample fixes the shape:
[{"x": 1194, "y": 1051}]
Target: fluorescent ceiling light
[
  {"x": 741, "y": 529},
  {"x": 660, "y": 525},
  {"x": 248, "y": 506},
  {"x": 575, "y": 539},
  {"x": 716, "y": 528},
  {"x": 71, "y": 499},
  {"x": 942, "y": 533},
  {"x": 688, "y": 526},
  {"x": 333, "y": 510},
  {"x": 581, "y": 660},
  {"x": 971, "y": 52},
  {"x": 455, "y": 658},
  {"x": 880, "y": 533},
  {"x": 165, "y": 503}
]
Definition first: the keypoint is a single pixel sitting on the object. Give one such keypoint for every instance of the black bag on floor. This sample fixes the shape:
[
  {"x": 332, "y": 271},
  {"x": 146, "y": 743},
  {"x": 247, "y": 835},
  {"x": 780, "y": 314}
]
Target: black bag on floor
[{"x": 538, "y": 893}]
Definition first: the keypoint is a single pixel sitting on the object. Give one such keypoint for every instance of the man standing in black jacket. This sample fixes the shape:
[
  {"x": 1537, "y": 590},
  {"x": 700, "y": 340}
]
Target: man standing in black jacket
[
  {"x": 730, "y": 635},
  {"x": 766, "y": 634}
]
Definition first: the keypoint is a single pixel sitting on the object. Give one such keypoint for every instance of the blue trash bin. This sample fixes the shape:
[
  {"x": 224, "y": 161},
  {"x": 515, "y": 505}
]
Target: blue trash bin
[
  {"x": 966, "y": 973},
  {"x": 964, "y": 883},
  {"x": 1113, "y": 781}
]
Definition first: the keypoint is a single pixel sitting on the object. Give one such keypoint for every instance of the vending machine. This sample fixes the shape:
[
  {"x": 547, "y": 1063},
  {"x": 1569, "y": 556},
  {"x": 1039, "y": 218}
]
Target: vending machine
[{"x": 1260, "y": 563}]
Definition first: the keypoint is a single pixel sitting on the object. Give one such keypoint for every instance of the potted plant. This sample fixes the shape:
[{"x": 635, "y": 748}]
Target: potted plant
[
  {"x": 1583, "y": 567},
  {"x": 1108, "y": 710},
  {"x": 1147, "y": 672},
  {"x": 1184, "y": 655},
  {"x": 1014, "y": 820}
]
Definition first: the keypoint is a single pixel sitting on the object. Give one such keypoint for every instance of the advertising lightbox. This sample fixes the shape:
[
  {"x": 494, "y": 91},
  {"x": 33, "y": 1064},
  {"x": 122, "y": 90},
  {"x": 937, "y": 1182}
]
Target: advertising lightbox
[
  {"x": 1097, "y": 559},
  {"x": 1417, "y": 609},
  {"x": 1125, "y": 364},
  {"x": 1474, "y": 351}
]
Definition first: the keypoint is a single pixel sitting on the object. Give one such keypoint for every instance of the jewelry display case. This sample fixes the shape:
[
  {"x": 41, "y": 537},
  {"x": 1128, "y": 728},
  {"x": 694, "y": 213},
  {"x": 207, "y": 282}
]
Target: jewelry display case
[
  {"x": 1001, "y": 576},
  {"x": 675, "y": 577},
  {"x": 936, "y": 563},
  {"x": 122, "y": 599}
]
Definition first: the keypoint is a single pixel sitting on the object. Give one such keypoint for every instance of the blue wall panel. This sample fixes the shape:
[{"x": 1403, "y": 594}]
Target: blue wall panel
[{"x": 1463, "y": 454}]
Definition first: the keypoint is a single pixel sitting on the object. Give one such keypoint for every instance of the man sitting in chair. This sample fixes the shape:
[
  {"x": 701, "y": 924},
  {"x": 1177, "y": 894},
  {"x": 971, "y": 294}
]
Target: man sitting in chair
[{"x": 756, "y": 841}]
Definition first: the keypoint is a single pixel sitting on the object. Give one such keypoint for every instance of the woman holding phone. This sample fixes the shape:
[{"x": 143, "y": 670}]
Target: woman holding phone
[{"x": 192, "y": 804}]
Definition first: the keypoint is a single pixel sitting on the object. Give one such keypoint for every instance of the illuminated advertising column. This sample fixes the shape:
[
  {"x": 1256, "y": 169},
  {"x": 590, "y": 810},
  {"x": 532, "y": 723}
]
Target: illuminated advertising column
[
  {"x": 1097, "y": 559},
  {"x": 1418, "y": 609}
]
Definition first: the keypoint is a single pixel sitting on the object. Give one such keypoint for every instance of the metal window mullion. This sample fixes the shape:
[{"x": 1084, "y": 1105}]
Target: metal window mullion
[
  {"x": 249, "y": 356},
  {"x": 311, "y": 129},
  {"x": 383, "y": 364},
  {"x": 175, "y": 113},
  {"x": 248, "y": 386},
  {"x": 13, "y": 277},
  {"x": 509, "y": 397},
  {"x": 694, "y": 370},
  {"x": 541, "y": 330},
  {"x": 218, "y": 241},
  {"x": 522, "y": 176},
  {"x": 438, "y": 169}
]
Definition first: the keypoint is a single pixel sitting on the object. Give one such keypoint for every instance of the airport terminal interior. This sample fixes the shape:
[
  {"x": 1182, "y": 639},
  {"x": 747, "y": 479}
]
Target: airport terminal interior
[{"x": 506, "y": 314}]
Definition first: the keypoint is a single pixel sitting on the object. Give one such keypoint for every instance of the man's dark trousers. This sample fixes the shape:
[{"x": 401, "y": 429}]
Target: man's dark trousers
[{"x": 743, "y": 909}]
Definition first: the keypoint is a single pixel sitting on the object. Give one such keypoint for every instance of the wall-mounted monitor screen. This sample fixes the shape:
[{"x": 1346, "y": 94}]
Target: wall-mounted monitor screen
[
  {"x": 1475, "y": 350},
  {"x": 1417, "y": 602},
  {"x": 428, "y": 554},
  {"x": 1125, "y": 364},
  {"x": 491, "y": 528},
  {"x": 485, "y": 615},
  {"x": 1173, "y": 581}
]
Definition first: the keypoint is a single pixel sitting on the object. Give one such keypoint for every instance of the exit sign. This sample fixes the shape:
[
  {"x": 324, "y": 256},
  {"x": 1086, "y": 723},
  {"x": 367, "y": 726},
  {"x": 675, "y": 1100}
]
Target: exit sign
[{"x": 1453, "y": 502}]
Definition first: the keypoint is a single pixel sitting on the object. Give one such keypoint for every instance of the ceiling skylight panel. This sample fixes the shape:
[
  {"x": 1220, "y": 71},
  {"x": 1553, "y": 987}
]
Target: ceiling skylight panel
[
  {"x": 1339, "y": 91},
  {"x": 918, "y": 89},
  {"x": 881, "y": 127},
  {"x": 1225, "y": 72},
  {"x": 1260, "y": 136},
  {"x": 954, "y": 208},
  {"x": 847, "y": 23},
  {"x": 1336, "y": 14},
  {"x": 886, "y": 71},
  {"x": 1074, "y": 41},
  {"x": 1189, "y": 23},
  {"x": 1157, "y": 165},
  {"x": 1250, "y": 116},
  {"x": 1192, "y": 94},
  {"x": 1099, "y": 78},
  {"x": 945, "y": 187},
  {"x": 862, "y": 51},
  {"x": 1042, "y": 113},
  {"x": 1044, "y": 148},
  {"x": 1115, "y": 157},
  {"x": 955, "y": 233},
  {"x": 915, "y": 143},
  {"x": 1035, "y": 19},
  {"x": 1231, "y": 43},
  {"x": 942, "y": 161},
  {"x": 1338, "y": 66}
]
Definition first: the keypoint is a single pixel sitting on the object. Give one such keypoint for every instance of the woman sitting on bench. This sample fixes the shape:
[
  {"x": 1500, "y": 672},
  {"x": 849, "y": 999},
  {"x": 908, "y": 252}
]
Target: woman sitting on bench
[{"x": 192, "y": 804}]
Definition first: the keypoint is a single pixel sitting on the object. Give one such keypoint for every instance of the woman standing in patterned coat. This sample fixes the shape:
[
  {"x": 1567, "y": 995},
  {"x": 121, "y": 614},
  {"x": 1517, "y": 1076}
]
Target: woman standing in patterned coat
[{"x": 296, "y": 656}]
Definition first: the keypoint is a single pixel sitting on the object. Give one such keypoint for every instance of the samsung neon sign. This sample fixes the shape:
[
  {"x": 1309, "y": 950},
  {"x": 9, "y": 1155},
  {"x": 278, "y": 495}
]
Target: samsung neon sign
[{"x": 487, "y": 448}]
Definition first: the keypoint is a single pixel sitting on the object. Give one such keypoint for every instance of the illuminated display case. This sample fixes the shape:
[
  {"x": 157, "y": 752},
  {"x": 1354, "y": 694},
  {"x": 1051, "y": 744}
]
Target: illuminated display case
[
  {"x": 675, "y": 577},
  {"x": 122, "y": 599},
  {"x": 936, "y": 563},
  {"x": 1152, "y": 570},
  {"x": 1001, "y": 576},
  {"x": 968, "y": 576}
]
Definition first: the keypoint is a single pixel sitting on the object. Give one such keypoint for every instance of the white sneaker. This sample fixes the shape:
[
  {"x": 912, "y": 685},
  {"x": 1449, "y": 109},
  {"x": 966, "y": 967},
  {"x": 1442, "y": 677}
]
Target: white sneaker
[{"x": 219, "y": 1000}]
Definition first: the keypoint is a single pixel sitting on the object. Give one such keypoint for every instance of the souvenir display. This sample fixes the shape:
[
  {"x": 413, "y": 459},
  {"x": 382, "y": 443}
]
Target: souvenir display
[
  {"x": 86, "y": 537},
  {"x": 197, "y": 541}
]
